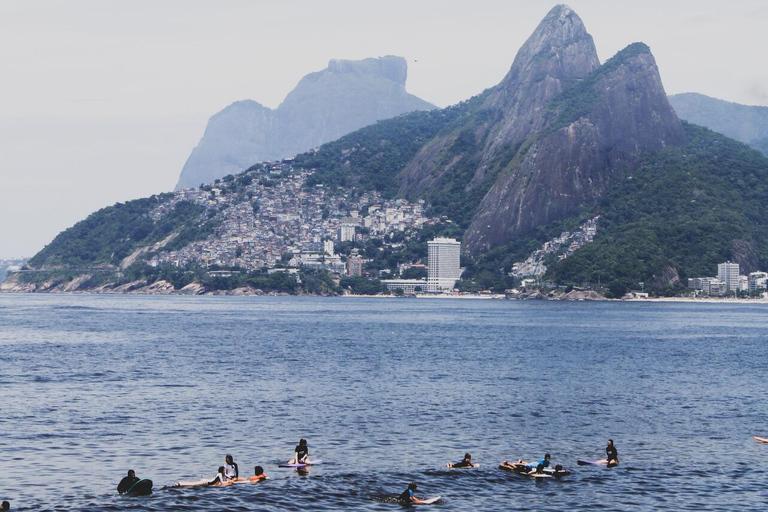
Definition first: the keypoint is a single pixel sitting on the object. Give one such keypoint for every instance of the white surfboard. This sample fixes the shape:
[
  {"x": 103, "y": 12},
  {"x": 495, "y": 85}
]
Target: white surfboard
[
  {"x": 191, "y": 483},
  {"x": 429, "y": 501}
]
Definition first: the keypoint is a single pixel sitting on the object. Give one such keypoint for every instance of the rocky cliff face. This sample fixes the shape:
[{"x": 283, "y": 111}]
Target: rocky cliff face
[
  {"x": 595, "y": 132},
  {"x": 745, "y": 123},
  {"x": 557, "y": 55},
  {"x": 324, "y": 106},
  {"x": 548, "y": 139}
]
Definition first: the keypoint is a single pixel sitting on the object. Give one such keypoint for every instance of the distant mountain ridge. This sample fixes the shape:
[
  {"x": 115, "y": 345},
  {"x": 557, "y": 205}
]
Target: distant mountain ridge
[
  {"x": 745, "y": 123},
  {"x": 325, "y": 105},
  {"x": 560, "y": 139}
]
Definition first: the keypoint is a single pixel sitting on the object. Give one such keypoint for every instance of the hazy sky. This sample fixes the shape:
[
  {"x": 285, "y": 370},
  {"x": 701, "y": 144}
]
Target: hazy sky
[{"x": 102, "y": 101}]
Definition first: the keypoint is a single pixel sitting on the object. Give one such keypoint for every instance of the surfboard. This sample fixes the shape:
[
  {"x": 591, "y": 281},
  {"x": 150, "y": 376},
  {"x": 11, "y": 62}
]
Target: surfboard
[
  {"x": 141, "y": 488},
  {"x": 429, "y": 501},
  {"x": 601, "y": 462},
  {"x": 191, "y": 483},
  {"x": 196, "y": 483},
  {"x": 450, "y": 466},
  {"x": 536, "y": 475},
  {"x": 761, "y": 439},
  {"x": 301, "y": 465}
]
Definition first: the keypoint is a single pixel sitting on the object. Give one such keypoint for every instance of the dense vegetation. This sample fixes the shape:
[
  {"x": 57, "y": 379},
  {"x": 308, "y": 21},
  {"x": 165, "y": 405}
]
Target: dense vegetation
[
  {"x": 107, "y": 236},
  {"x": 687, "y": 208}
]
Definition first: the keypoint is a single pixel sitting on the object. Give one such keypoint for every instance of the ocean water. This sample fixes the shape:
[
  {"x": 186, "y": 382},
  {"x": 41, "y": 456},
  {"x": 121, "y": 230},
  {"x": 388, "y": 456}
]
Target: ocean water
[{"x": 386, "y": 391}]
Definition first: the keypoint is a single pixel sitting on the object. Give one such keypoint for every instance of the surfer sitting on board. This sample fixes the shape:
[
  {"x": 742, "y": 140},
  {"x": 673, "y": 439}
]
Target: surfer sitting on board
[
  {"x": 612, "y": 453},
  {"x": 220, "y": 477},
  {"x": 127, "y": 482},
  {"x": 466, "y": 462},
  {"x": 230, "y": 468},
  {"x": 407, "y": 495},
  {"x": 300, "y": 453},
  {"x": 258, "y": 474}
]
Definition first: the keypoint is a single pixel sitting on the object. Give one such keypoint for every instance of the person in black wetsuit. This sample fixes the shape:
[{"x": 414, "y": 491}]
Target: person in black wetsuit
[
  {"x": 301, "y": 453},
  {"x": 407, "y": 495},
  {"x": 5, "y": 506},
  {"x": 466, "y": 462},
  {"x": 127, "y": 482},
  {"x": 611, "y": 453}
]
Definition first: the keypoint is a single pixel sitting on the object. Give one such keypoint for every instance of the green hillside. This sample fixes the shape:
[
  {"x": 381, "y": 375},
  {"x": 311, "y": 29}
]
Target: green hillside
[
  {"x": 688, "y": 208},
  {"x": 107, "y": 236}
]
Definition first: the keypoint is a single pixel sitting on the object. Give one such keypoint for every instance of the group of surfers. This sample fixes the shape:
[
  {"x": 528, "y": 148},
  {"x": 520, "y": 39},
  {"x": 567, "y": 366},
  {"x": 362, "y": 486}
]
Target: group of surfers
[
  {"x": 521, "y": 466},
  {"x": 229, "y": 473}
]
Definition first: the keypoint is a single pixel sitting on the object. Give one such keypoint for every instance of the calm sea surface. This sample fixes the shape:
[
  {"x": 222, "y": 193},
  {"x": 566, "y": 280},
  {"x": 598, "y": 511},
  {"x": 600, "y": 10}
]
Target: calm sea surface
[{"x": 386, "y": 392}]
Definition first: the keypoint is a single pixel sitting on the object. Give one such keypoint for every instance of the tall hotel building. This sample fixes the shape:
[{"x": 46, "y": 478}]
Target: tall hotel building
[
  {"x": 444, "y": 269},
  {"x": 729, "y": 274}
]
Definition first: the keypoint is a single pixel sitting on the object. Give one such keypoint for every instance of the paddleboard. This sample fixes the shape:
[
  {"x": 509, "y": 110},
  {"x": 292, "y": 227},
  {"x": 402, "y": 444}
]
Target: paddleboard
[
  {"x": 140, "y": 488},
  {"x": 429, "y": 501},
  {"x": 451, "y": 466},
  {"x": 301, "y": 465},
  {"x": 762, "y": 439}
]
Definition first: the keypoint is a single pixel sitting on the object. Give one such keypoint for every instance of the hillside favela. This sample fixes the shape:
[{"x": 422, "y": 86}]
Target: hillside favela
[{"x": 246, "y": 304}]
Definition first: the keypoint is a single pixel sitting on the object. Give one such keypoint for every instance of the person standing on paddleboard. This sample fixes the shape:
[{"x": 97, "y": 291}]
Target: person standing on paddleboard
[
  {"x": 407, "y": 495},
  {"x": 127, "y": 482},
  {"x": 230, "y": 468},
  {"x": 612, "y": 454},
  {"x": 301, "y": 453}
]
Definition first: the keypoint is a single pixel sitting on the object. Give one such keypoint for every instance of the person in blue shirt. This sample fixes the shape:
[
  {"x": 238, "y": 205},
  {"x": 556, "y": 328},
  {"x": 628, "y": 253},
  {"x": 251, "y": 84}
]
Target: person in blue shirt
[
  {"x": 407, "y": 495},
  {"x": 543, "y": 463}
]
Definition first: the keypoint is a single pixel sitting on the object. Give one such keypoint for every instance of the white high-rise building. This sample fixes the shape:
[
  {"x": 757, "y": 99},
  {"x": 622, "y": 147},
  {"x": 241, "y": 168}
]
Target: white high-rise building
[
  {"x": 729, "y": 274},
  {"x": 444, "y": 269}
]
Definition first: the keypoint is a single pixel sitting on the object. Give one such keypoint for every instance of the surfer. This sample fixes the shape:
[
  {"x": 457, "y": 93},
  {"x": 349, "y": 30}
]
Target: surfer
[
  {"x": 127, "y": 482},
  {"x": 543, "y": 463},
  {"x": 5, "y": 506},
  {"x": 466, "y": 462},
  {"x": 407, "y": 495},
  {"x": 230, "y": 468},
  {"x": 301, "y": 453},
  {"x": 258, "y": 474},
  {"x": 220, "y": 477},
  {"x": 612, "y": 454}
]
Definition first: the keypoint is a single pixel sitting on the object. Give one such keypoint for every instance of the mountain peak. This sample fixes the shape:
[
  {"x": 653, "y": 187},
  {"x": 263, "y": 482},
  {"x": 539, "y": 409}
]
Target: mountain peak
[
  {"x": 560, "y": 39},
  {"x": 390, "y": 67}
]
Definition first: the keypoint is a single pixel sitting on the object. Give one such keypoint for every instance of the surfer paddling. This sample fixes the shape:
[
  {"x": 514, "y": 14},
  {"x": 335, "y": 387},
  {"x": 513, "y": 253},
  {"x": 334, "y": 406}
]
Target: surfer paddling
[
  {"x": 408, "y": 497},
  {"x": 220, "y": 478},
  {"x": 126, "y": 483},
  {"x": 466, "y": 462}
]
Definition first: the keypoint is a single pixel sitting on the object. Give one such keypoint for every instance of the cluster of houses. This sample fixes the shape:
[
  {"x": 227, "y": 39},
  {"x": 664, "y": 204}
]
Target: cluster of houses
[
  {"x": 730, "y": 280},
  {"x": 285, "y": 222},
  {"x": 563, "y": 246},
  {"x": 7, "y": 266}
]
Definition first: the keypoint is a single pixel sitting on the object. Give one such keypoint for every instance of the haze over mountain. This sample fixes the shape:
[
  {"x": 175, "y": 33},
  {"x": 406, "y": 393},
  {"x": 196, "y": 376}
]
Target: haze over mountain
[
  {"x": 325, "y": 105},
  {"x": 561, "y": 138},
  {"x": 745, "y": 123}
]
